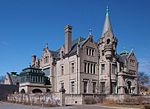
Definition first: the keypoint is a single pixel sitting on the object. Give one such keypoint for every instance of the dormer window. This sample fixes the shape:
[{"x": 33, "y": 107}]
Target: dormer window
[
  {"x": 132, "y": 62},
  {"x": 46, "y": 59},
  {"x": 90, "y": 51},
  {"x": 62, "y": 70},
  {"x": 62, "y": 52}
]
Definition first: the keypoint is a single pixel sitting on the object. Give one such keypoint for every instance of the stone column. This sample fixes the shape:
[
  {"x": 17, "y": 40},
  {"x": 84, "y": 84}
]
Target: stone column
[
  {"x": 108, "y": 82},
  {"x": 62, "y": 97}
]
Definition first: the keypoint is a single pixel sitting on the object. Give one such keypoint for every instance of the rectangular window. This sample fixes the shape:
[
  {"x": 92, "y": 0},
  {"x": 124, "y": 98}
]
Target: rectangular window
[
  {"x": 92, "y": 52},
  {"x": 91, "y": 69},
  {"x": 102, "y": 87},
  {"x": 113, "y": 69},
  {"x": 87, "y": 51},
  {"x": 84, "y": 86},
  {"x": 102, "y": 52},
  {"x": 46, "y": 59},
  {"x": 72, "y": 67},
  {"x": 94, "y": 87},
  {"x": 72, "y": 87},
  {"x": 85, "y": 67},
  {"x": 62, "y": 70},
  {"x": 132, "y": 62},
  {"x": 102, "y": 68},
  {"x": 46, "y": 71},
  {"x": 113, "y": 89},
  {"x": 94, "y": 69},
  {"x": 62, "y": 85},
  {"x": 88, "y": 68}
]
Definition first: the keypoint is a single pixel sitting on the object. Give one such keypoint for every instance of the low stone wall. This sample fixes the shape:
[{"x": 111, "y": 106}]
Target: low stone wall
[
  {"x": 73, "y": 99},
  {"x": 54, "y": 99},
  {"x": 61, "y": 99},
  {"x": 129, "y": 99}
]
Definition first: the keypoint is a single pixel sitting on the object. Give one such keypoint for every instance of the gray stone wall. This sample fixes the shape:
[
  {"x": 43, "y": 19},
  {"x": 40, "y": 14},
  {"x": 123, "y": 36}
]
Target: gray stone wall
[{"x": 7, "y": 89}]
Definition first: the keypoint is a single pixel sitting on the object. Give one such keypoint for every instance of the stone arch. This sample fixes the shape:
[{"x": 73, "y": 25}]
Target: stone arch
[
  {"x": 128, "y": 88},
  {"x": 22, "y": 91},
  {"x": 48, "y": 90},
  {"x": 36, "y": 91}
]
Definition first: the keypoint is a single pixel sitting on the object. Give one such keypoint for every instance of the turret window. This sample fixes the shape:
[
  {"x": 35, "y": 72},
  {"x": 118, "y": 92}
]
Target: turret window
[
  {"x": 113, "y": 68},
  {"x": 102, "y": 68},
  {"x": 102, "y": 52},
  {"x": 108, "y": 41}
]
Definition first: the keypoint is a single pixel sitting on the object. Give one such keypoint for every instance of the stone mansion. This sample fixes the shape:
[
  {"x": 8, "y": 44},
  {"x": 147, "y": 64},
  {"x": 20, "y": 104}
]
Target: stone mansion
[{"x": 83, "y": 66}]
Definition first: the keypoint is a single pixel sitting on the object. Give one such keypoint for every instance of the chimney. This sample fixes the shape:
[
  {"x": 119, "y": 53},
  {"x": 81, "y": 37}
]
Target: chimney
[
  {"x": 33, "y": 60},
  {"x": 68, "y": 31}
]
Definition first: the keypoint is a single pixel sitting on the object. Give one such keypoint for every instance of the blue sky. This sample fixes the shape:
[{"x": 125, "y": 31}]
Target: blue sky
[{"x": 27, "y": 25}]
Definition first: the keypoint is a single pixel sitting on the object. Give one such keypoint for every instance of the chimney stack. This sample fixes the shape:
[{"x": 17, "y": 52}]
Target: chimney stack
[
  {"x": 33, "y": 60},
  {"x": 68, "y": 31}
]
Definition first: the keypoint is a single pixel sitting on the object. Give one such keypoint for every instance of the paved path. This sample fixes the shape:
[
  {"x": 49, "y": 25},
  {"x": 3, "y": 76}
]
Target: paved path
[{"x": 4, "y": 105}]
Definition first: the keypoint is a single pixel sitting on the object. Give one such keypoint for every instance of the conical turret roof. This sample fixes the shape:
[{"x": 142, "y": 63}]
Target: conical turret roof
[{"x": 107, "y": 25}]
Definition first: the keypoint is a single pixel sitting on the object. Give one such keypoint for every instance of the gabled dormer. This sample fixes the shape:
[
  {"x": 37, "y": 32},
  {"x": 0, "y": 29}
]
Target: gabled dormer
[{"x": 132, "y": 63}]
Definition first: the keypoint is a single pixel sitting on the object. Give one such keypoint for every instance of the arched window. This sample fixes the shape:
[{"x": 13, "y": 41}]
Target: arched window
[
  {"x": 36, "y": 91},
  {"x": 22, "y": 91},
  {"x": 108, "y": 41}
]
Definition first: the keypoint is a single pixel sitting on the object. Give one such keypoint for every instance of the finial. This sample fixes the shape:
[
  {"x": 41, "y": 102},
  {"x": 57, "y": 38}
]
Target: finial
[
  {"x": 46, "y": 45},
  {"x": 107, "y": 11},
  {"x": 90, "y": 32}
]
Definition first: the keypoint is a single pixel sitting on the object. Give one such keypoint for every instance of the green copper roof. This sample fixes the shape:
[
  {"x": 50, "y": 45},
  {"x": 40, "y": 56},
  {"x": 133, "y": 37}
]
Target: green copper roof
[{"x": 124, "y": 52}]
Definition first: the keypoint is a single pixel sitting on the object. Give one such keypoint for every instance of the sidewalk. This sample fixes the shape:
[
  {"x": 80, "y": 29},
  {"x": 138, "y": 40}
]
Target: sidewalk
[{"x": 115, "y": 107}]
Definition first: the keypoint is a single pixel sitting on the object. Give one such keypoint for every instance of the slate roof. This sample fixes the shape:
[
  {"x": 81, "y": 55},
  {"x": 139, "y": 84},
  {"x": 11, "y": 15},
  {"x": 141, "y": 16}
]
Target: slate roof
[
  {"x": 123, "y": 56},
  {"x": 73, "y": 50},
  {"x": 13, "y": 78},
  {"x": 107, "y": 25}
]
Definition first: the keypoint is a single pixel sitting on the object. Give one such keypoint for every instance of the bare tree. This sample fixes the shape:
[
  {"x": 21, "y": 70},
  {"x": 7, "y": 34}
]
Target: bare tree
[{"x": 143, "y": 80}]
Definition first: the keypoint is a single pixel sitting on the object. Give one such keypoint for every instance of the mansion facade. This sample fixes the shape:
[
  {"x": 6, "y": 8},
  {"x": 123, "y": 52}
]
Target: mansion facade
[{"x": 83, "y": 66}]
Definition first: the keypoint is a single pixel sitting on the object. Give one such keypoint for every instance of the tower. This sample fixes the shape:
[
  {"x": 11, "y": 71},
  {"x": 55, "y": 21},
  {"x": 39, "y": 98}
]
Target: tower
[
  {"x": 107, "y": 49},
  {"x": 68, "y": 31},
  {"x": 33, "y": 60}
]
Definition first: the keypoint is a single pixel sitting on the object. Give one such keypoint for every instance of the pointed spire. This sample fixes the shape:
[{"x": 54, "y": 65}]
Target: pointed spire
[
  {"x": 107, "y": 24},
  {"x": 90, "y": 32}
]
